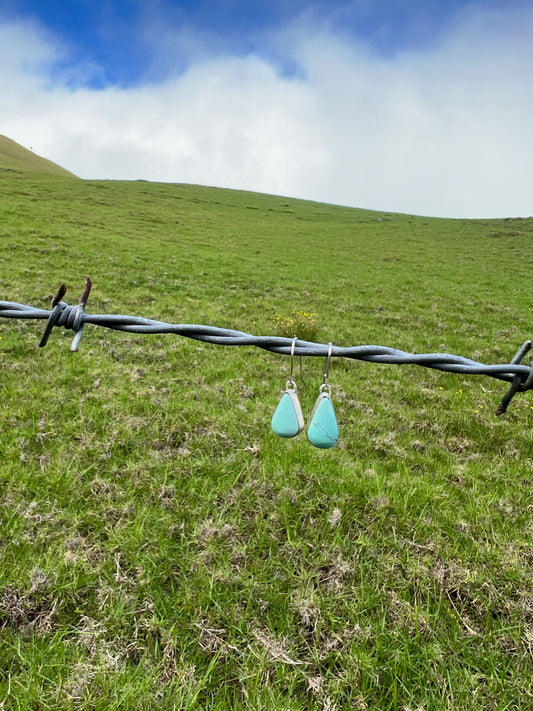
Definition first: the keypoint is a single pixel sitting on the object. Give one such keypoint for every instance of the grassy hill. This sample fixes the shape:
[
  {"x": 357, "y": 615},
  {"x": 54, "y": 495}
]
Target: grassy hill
[
  {"x": 14, "y": 157},
  {"x": 162, "y": 548}
]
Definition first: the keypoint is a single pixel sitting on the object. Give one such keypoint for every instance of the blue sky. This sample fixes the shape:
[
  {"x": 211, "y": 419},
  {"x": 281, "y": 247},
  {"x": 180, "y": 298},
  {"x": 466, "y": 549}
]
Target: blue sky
[
  {"x": 112, "y": 35},
  {"x": 416, "y": 106}
]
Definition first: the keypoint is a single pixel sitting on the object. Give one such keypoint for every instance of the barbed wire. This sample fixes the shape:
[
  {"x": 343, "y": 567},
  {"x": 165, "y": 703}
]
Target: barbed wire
[{"x": 75, "y": 318}]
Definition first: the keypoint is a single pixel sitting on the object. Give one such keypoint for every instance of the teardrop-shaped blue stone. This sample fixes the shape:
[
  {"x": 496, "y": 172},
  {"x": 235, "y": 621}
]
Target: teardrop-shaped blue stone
[
  {"x": 323, "y": 431},
  {"x": 285, "y": 420}
]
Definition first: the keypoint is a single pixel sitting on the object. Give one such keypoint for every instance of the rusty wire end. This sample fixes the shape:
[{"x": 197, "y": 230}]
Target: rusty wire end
[
  {"x": 79, "y": 323},
  {"x": 86, "y": 291},
  {"x": 60, "y": 294}
]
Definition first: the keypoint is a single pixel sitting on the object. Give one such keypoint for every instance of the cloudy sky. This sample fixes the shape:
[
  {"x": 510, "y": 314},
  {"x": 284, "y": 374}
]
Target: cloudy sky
[{"x": 417, "y": 106}]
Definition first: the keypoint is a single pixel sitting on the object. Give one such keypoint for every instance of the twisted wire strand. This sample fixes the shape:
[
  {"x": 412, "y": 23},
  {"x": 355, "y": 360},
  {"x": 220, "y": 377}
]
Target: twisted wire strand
[{"x": 75, "y": 318}]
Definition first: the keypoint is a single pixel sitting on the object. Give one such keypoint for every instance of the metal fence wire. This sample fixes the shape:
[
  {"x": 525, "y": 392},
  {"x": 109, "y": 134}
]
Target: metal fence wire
[{"x": 74, "y": 317}]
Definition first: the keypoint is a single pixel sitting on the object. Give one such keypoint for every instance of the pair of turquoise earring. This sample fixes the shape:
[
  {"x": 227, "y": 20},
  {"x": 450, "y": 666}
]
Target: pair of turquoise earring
[{"x": 288, "y": 420}]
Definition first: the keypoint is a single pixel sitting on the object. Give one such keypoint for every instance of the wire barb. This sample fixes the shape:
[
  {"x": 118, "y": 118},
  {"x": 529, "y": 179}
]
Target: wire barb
[
  {"x": 68, "y": 316},
  {"x": 517, "y": 385},
  {"x": 74, "y": 317}
]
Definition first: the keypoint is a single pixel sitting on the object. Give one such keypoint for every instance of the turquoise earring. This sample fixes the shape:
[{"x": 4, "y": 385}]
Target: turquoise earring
[
  {"x": 322, "y": 430},
  {"x": 288, "y": 419}
]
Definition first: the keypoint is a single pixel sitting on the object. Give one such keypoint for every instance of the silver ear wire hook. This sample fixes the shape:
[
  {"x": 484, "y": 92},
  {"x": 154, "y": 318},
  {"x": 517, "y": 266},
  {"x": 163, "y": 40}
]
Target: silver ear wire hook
[
  {"x": 328, "y": 361},
  {"x": 293, "y": 346},
  {"x": 295, "y": 339},
  {"x": 291, "y": 382}
]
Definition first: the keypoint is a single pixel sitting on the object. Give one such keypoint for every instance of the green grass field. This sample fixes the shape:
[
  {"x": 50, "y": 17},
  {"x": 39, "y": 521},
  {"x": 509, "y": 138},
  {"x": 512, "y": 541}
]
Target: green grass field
[
  {"x": 161, "y": 548},
  {"x": 16, "y": 158}
]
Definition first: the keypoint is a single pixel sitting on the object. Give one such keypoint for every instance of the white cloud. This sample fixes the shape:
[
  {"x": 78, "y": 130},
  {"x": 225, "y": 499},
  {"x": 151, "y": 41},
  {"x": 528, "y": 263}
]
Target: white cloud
[{"x": 446, "y": 131}]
